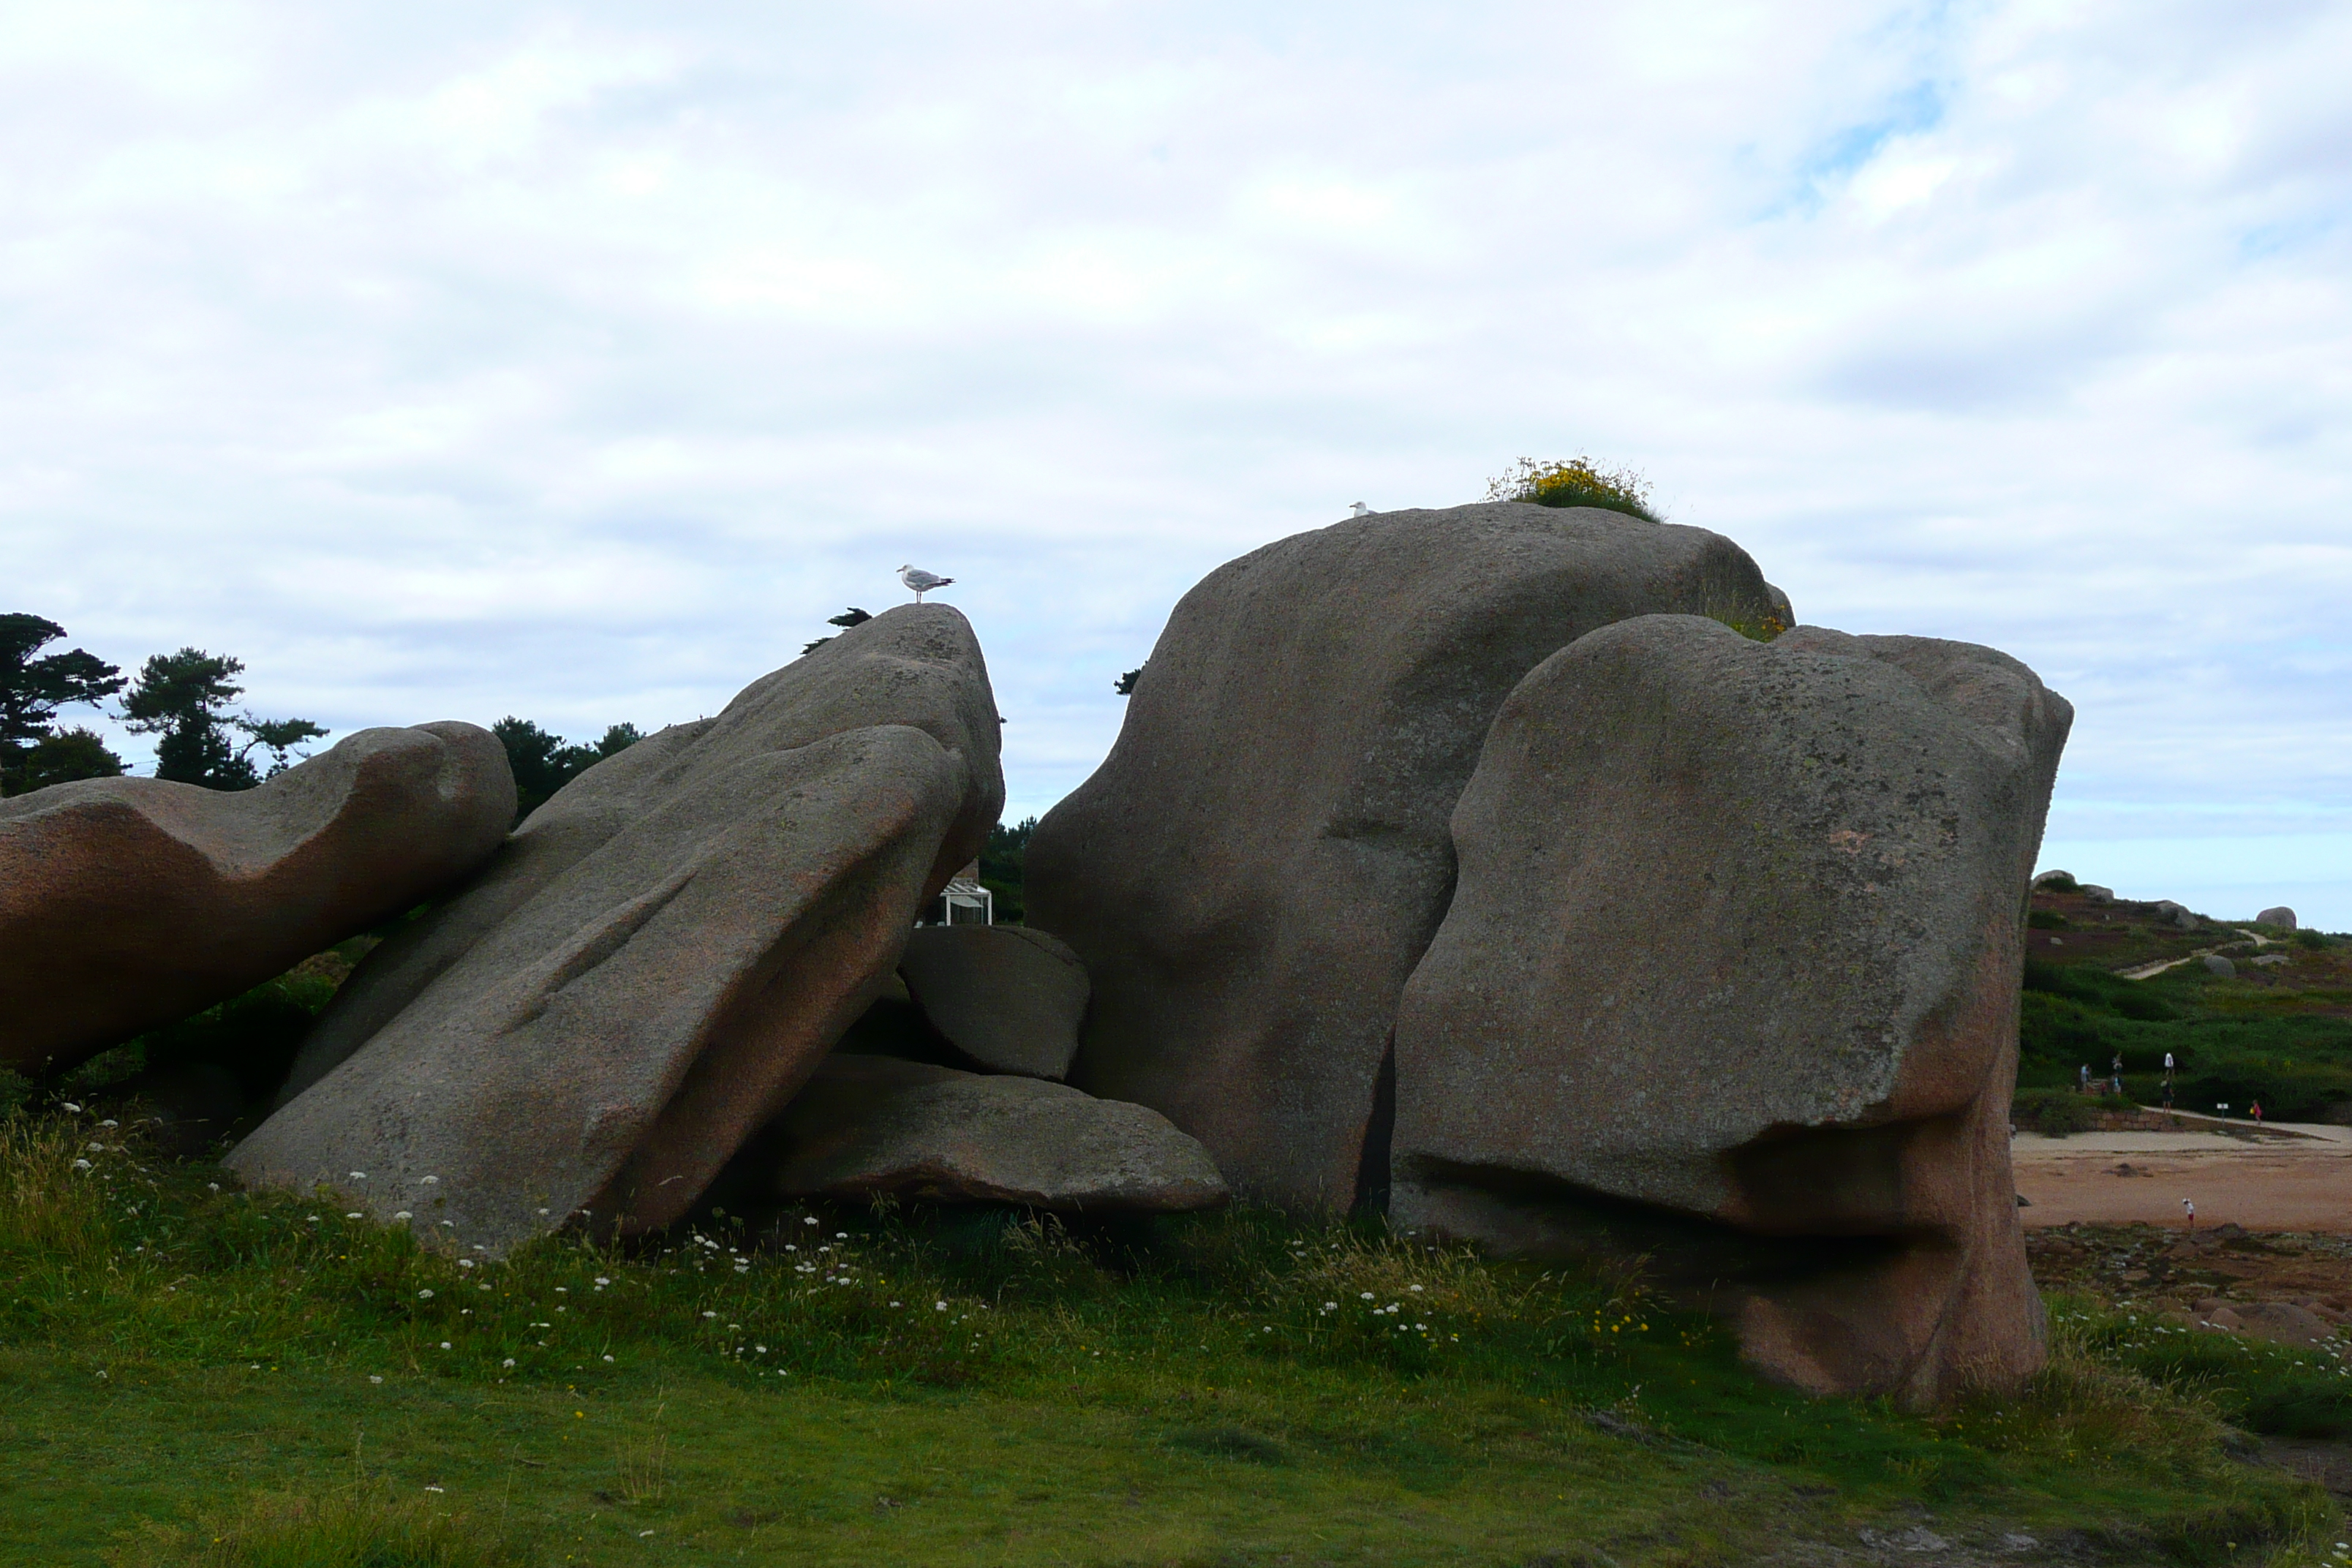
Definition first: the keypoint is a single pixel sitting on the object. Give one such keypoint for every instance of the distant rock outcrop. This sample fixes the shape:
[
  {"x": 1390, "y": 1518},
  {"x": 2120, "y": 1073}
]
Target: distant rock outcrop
[
  {"x": 659, "y": 957},
  {"x": 2279, "y": 915},
  {"x": 867, "y": 1125},
  {"x": 1006, "y": 996},
  {"x": 126, "y": 903},
  {"x": 2174, "y": 917},
  {"x": 1729, "y": 977},
  {"x": 1255, "y": 870}
]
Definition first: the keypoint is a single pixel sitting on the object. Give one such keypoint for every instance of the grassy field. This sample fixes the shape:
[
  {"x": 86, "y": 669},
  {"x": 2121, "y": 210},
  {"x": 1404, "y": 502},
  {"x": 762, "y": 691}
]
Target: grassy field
[{"x": 191, "y": 1375}]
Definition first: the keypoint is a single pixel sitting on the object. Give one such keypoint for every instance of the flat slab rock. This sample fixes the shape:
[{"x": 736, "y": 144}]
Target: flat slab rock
[
  {"x": 658, "y": 959},
  {"x": 876, "y": 1124},
  {"x": 126, "y": 903},
  {"x": 1008, "y": 997}
]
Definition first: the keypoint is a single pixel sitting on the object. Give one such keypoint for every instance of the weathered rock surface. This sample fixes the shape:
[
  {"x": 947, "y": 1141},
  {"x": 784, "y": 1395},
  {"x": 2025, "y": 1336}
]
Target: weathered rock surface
[
  {"x": 128, "y": 902},
  {"x": 2279, "y": 916},
  {"x": 1730, "y": 976},
  {"x": 2217, "y": 964},
  {"x": 2176, "y": 917},
  {"x": 874, "y": 1124},
  {"x": 2047, "y": 879},
  {"x": 1256, "y": 868},
  {"x": 1008, "y": 997},
  {"x": 2097, "y": 897},
  {"x": 2283, "y": 1322},
  {"x": 659, "y": 957}
]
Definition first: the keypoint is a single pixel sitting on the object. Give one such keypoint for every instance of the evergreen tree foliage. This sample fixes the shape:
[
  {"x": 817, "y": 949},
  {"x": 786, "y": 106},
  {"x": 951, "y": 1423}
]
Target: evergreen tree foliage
[
  {"x": 185, "y": 698},
  {"x": 61, "y": 758},
  {"x": 1003, "y": 869},
  {"x": 543, "y": 762},
  {"x": 852, "y": 616},
  {"x": 32, "y": 689}
]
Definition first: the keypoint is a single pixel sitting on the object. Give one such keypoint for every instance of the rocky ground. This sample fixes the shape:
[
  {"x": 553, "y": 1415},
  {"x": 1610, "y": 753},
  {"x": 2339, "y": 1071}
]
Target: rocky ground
[{"x": 2292, "y": 1288}]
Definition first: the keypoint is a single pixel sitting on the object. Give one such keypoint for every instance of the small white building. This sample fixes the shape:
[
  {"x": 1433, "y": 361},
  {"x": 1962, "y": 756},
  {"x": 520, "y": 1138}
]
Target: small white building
[{"x": 963, "y": 903}]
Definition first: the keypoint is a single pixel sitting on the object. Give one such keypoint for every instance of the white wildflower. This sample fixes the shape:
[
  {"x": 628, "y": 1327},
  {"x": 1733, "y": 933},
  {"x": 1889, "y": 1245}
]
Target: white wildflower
[{"x": 425, "y": 1295}]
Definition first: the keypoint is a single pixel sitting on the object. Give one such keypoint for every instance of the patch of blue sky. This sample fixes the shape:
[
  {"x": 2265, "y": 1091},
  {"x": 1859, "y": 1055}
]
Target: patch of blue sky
[
  {"x": 2227, "y": 878},
  {"x": 2271, "y": 239},
  {"x": 1834, "y": 159}
]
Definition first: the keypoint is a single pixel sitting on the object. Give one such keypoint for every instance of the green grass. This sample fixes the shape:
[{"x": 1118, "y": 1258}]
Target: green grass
[{"x": 191, "y": 1375}]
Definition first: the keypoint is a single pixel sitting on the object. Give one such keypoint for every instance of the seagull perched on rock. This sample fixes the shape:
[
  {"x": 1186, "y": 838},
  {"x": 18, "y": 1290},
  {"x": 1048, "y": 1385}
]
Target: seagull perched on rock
[
  {"x": 920, "y": 581},
  {"x": 1360, "y": 509}
]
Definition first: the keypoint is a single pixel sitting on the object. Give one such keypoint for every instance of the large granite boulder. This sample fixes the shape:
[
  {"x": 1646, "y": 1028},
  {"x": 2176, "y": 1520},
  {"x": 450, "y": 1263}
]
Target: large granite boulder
[
  {"x": 129, "y": 903},
  {"x": 1730, "y": 979},
  {"x": 1256, "y": 868},
  {"x": 1008, "y": 997},
  {"x": 659, "y": 956},
  {"x": 867, "y": 1125},
  {"x": 2279, "y": 916}
]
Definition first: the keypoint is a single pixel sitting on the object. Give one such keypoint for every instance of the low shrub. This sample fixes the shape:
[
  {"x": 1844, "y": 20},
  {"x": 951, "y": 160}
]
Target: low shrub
[
  {"x": 2053, "y": 1113},
  {"x": 1576, "y": 482}
]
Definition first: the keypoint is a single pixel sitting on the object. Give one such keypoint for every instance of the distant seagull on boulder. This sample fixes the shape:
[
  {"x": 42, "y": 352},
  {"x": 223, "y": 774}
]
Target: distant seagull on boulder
[
  {"x": 1360, "y": 509},
  {"x": 920, "y": 581}
]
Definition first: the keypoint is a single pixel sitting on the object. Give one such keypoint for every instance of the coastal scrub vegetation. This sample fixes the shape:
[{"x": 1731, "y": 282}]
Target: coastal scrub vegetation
[
  {"x": 1579, "y": 481},
  {"x": 2233, "y": 1041}
]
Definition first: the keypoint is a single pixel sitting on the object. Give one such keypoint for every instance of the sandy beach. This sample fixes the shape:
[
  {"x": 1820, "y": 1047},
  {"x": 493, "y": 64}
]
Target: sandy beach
[{"x": 2293, "y": 1177}]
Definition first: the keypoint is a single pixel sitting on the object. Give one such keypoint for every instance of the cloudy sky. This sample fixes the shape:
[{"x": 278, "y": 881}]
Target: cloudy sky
[{"x": 577, "y": 360}]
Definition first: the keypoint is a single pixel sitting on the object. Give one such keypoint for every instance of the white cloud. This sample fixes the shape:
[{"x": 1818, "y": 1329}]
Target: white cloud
[{"x": 578, "y": 361}]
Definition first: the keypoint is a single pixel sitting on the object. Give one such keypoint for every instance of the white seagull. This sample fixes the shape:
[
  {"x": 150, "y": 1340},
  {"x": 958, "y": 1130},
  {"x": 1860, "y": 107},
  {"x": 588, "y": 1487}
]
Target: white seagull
[
  {"x": 920, "y": 581},
  {"x": 1360, "y": 509}
]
